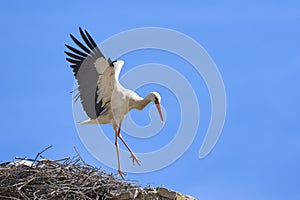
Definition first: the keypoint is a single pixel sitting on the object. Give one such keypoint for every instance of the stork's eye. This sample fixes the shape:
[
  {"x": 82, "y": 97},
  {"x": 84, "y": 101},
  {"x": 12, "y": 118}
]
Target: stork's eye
[{"x": 156, "y": 99}]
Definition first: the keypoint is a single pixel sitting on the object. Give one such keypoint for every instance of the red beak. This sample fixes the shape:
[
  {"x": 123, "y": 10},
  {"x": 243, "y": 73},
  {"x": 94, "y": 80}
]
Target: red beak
[{"x": 160, "y": 112}]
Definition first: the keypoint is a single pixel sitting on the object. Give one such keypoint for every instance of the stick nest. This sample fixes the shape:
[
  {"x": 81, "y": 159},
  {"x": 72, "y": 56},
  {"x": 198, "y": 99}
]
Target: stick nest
[{"x": 68, "y": 178}]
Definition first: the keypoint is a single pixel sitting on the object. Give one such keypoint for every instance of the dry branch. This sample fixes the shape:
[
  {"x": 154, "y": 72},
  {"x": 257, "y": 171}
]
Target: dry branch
[{"x": 68, "y": 178}]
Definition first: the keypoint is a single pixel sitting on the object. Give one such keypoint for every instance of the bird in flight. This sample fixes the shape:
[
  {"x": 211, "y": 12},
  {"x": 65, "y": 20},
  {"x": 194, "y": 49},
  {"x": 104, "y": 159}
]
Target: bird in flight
[{"x": 103, "y": 98}]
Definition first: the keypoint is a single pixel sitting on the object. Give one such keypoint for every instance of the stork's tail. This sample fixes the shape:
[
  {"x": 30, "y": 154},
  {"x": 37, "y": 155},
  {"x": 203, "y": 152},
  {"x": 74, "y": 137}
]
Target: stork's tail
[{"x": 88, "y": 121}]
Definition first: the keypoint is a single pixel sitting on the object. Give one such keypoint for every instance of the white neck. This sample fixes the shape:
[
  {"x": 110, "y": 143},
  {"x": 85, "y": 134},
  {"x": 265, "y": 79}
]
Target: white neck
[{"x": 140, "y": 103}]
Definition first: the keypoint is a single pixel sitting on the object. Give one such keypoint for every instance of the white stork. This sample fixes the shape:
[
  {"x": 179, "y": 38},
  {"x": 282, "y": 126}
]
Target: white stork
[{"x": 103, "y": 98}]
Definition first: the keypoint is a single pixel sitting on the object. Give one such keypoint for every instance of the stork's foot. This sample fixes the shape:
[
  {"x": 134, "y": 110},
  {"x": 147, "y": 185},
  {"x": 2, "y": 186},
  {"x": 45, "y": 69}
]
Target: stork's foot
[
  {"x": 122, "y": 174},
  {"x": 135, "y": 159}
]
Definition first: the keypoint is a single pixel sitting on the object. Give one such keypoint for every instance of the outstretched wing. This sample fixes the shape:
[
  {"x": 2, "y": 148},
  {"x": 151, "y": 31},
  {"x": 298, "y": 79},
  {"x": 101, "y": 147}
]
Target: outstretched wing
[{"x": 94, "y": 74}]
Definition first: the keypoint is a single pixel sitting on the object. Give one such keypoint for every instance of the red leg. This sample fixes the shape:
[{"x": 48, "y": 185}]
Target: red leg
[
  {"x": 133, "y": 156},
  {"x": 120, "y": 172}
]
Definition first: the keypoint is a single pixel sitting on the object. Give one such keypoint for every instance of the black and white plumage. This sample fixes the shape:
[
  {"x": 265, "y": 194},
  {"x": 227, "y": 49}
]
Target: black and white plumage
[{"x": 103, "y": 98}]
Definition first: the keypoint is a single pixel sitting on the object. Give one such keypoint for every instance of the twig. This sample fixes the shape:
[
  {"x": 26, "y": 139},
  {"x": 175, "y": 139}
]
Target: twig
[
  {"x": 80, "y": 156},
  {"x": 39, "y": 154}
]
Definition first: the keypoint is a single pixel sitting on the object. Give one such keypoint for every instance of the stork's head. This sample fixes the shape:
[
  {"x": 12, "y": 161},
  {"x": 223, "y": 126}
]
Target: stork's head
[{"x": 155, "y": 97}]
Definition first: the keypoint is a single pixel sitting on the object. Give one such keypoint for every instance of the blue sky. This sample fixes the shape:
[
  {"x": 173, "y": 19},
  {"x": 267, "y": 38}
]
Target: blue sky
[{"x": 255, "y": 45}]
